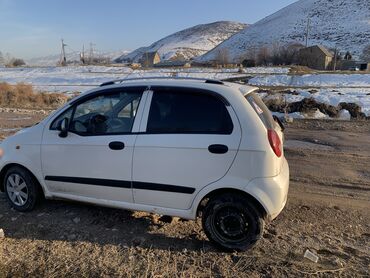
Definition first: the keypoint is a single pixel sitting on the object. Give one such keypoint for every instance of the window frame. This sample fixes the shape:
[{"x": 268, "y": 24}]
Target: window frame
[
  {"x": 107, "y": 92},
  {"x": 191, "y": 91}
]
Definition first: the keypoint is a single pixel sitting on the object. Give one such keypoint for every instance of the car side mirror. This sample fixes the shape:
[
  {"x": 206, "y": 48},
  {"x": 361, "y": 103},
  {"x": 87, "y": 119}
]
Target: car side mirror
[{"x": 63, "y": 128}]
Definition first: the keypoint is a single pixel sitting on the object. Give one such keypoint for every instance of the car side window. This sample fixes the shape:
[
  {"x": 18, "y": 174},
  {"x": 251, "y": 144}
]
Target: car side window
[
  {"x": 66, "y": 114},
  {"x": 106, "y": 114},
  {"x": 181, "y": 111}
]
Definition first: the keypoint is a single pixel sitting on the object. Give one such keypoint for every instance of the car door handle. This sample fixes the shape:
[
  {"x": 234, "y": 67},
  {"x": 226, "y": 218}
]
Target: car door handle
[
  {"x": 218, "y": 149},
  {"x": 116, "y": 145}
]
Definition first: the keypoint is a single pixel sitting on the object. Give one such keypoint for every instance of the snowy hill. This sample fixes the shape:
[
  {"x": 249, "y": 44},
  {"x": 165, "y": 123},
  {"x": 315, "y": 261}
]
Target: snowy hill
[
  {"x": 52, "y": 60},
  {"x": 188, "y": 43},
  {"x": 344, "y": 24}
]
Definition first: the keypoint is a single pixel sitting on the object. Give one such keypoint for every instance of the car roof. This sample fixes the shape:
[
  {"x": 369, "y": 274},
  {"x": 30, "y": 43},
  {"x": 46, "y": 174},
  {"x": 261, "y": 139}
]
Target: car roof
[{"x": 205, "y": 84}]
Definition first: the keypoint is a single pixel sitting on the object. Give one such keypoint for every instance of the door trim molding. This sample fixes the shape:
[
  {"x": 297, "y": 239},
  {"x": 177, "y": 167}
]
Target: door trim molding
[
  {"x": 90, "y": 181},
  {"x": 124, "y": 184}
]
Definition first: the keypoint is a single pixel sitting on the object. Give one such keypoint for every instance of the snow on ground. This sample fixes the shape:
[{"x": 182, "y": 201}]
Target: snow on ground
[
  {"x": 360, "y": 96},
  {"x": 325, "y": 88},
  {"x": 313, "y": 80},
  {"x": 329, "y": 88},
  {"x": 81, "y": 78}
]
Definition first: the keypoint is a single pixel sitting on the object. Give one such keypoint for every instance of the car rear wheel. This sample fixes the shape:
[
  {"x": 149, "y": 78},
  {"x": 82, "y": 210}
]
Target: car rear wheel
[
  {"x": 232, "y": 222},
  {"x": 21, "y": 189}
]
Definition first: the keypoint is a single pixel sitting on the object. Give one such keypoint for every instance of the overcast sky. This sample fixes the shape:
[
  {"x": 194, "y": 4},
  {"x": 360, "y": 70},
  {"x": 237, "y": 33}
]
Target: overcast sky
[{"x": 32, "y": 28}]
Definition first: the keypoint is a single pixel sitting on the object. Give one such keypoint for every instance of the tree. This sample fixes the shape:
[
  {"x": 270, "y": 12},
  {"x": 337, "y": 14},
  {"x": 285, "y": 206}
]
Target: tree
[
  {"x": 222, "y": 56},
  {"x": 248, "y": 58},
  {"x": 2, "y": 60},
  {"x": 366, "y": 54},
  {"x": 348, "y": 56},
  {"x": 263, "y": 56},
  {"x": 15, "y": 62},
  {"x": 276, "y": 53},
  {"x": 292, "y": 53}
]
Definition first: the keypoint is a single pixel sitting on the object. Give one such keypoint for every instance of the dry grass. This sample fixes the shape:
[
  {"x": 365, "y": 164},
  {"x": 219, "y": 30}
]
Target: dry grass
[
  {"x": 23, "y": 96},
  {"x": 85, "y": 259}
]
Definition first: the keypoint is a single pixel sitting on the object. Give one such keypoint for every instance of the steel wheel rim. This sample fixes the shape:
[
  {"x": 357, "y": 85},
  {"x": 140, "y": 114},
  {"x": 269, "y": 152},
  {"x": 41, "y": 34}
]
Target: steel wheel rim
[
  {"x": 227, "y": 215},
  {"x": 17, "y": 189}
]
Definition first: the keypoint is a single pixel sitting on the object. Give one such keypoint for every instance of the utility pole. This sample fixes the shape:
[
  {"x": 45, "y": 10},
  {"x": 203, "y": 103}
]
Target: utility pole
[
  {"x": 307, "y": 31},
  {"x": 82, "y": 55},
  {"x": 91, "y": 56},
  {"x": 63, "y": 59}
]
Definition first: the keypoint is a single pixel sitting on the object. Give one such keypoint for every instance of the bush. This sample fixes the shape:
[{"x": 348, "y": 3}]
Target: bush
[
  {"x": 23, "y": 96},
  {"x": 15, "y": 62},
  {"x": 249, "y": 63}
]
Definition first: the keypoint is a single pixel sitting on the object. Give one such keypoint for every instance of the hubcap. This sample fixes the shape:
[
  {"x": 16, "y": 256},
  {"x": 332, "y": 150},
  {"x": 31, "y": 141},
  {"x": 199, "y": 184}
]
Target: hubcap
[{"x": 17, "y": 189}]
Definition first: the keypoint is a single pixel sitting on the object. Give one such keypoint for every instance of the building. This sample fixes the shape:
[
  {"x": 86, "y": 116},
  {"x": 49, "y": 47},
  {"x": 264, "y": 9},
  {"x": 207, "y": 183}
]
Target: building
[
  {"x": 316, "y": 57},
  {"x": 354, "y": 65},
  {"x": 149, "y": 59},
  {"x": 364, "y": 66},
  {"x": 173, "y": 64}
]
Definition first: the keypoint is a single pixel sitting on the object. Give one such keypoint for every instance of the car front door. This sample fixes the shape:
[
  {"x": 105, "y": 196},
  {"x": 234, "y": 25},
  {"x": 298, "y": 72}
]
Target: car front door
[
  {"x": 94, "y": 160},
  {"x": 188, "y": 139}
]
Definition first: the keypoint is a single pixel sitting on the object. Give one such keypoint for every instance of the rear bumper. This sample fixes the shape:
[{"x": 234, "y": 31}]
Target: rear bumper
[{"x": 272, "y": 192}]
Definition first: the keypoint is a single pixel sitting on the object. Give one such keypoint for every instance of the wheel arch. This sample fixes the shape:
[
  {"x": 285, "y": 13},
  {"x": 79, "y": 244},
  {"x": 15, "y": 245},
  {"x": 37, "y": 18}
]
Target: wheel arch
[
  {"x": 201, "y": 205},
  {"x": 10, "y": 165}
]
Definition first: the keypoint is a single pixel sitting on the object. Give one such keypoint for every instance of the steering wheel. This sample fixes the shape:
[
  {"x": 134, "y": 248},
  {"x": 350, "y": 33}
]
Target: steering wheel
[{"x": 116, "y": 125}]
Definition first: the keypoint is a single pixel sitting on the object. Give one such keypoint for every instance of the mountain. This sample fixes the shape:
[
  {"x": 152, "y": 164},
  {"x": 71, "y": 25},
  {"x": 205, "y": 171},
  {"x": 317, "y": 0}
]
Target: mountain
[
  {"x": 52, "y": 60},
  {"x": 344, "y": 24},
  {"x": 188, "y": 43}
]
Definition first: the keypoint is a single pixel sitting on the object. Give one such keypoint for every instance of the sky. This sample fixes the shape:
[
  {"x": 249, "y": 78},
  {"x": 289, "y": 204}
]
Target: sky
[{"x": 34, "y": 28}]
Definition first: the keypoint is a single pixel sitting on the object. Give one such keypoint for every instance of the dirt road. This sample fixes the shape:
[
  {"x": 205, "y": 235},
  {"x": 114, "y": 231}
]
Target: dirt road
[{"x": 328, "y": 212}]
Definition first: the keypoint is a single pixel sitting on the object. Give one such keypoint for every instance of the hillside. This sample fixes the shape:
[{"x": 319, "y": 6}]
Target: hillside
[
  {"x": 188, "y": 43},
  {"x": 344, "y": 24}
]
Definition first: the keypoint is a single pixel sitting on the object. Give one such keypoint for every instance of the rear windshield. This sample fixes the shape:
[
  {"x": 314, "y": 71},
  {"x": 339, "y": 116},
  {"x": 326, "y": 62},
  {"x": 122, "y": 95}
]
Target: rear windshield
[{"x": 261, "y": 109}]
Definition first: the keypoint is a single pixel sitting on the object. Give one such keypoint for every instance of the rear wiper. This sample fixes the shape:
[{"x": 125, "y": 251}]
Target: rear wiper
[{"x": 276, "y": 119}]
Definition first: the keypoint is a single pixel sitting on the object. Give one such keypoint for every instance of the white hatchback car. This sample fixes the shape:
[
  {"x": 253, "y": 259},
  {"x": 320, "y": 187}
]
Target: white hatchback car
[{"x": 179, "y": 147}]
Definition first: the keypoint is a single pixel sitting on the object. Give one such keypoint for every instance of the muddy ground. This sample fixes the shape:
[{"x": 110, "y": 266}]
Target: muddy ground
[{"x": 328, "y": 212}]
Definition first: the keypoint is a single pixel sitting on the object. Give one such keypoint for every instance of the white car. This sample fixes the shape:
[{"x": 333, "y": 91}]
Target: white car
[{"x": 172, "y": 146}]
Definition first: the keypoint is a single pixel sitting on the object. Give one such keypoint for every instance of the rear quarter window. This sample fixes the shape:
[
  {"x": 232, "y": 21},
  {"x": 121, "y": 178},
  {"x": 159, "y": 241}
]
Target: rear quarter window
[{"x": 261, "y": 109}]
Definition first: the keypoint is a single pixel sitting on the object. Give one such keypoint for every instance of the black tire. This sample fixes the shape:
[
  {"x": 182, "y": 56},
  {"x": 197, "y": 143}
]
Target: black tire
[
  {"x": 31, "y": 189},
  {"x": 232, "y": 222}
]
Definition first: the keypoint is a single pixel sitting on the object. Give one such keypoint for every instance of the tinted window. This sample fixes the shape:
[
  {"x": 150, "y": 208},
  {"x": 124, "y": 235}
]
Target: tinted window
[
  {"x": 106, "y": 114},
  {"x": 180, "y": 111}
]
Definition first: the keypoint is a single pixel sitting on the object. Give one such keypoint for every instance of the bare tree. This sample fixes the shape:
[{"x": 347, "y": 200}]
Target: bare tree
[
  {"x": 263, "y": 56},
  {"x": 291, "y": 53},
  {"x": 249, "y": 57},
  {"x": 2, "y": 60},
  {"x": 7, "y": 58},
  {"x": 276, "y": 53},
  {"x": 15, "y": 62},
  {"x": 222, "y": 56},
  {"x": 366, "y": 54}
]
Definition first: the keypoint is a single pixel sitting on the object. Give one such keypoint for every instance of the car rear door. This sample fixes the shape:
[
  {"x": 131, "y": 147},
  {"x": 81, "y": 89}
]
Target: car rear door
[{"x": 188, "y": 139}]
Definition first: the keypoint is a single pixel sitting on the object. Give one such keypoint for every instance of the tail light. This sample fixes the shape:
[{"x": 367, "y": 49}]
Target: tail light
[{"x": 275, "y": 142}]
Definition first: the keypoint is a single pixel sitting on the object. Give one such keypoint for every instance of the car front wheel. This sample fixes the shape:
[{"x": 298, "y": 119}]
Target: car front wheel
[
  {"x": 232, "y": 222},
  {"x": 21, "y": 189}
]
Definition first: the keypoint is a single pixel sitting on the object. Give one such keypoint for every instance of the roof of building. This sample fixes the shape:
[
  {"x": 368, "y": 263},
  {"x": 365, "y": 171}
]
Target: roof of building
[
  {"x": 325, "y": 50},
  {"x": 322, "y": 48}
]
